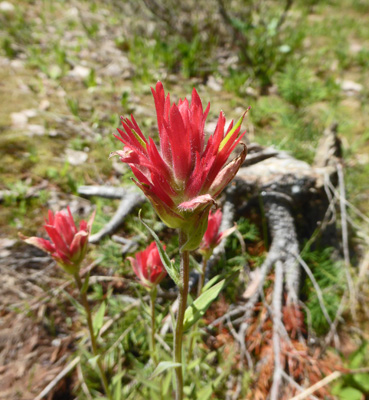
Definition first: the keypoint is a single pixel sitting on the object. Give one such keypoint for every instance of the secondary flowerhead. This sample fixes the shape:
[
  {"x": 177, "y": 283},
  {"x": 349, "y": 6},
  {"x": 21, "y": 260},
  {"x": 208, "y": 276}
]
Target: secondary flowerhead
[
  {"x": 68, "y": 244},
  {"x": 185, "y": 174},
  {"x": 148, "y": 267},
  {"x": 212, "y": 236}
]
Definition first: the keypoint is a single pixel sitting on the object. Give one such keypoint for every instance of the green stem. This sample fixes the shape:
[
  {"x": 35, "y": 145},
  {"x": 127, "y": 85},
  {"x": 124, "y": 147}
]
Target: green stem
[
  {"x": 200, "y": 285},
  {"x": 202, "y": 275},
  {"x": 153, "y": 329},
  {"x": 95, "y": 349},
  {"x": 182, "y": 303}
]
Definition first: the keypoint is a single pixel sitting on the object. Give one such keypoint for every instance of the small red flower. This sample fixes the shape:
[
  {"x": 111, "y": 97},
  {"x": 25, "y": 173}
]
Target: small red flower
[
  {"x": 183, "y": 177},
  {"x": 68, "y": 244},
  {"x": 212, "y": 237},
  {"x": 148, "y": 267}
]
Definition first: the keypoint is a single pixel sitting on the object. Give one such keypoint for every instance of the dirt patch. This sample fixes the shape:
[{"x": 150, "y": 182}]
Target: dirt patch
[{"x": 30, "y": 359}]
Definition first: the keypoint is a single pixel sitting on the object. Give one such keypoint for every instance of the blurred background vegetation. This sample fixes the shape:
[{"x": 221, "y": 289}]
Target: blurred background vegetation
[{"x": 69, "y": 69}]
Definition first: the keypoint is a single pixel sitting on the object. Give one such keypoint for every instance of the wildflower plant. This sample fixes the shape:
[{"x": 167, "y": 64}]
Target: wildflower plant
[
  {"x": 68, "y": 243},
  {"x": 68, "y": 247},
  {"x": 182, "y": 177}
]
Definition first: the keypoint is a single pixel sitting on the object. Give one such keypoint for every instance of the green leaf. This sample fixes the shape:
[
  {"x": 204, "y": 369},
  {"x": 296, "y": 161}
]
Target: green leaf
[
  {"x": 362, "y": 381},
  {"x": 85, "y": 283},
  {"x": 93, "y": 361},
  {"x": 206, "y": 392},
  {"x": 358, "y": 357},
  {"x": 168, "y": 265},
  {"x": 198, "y": 308},
  {"x": 98, "y": 319},
  {"x": 163, "y": 366},
  {"x": 117, "y": 382},
  {"x": 211, "y": 283},
  {"x": 350, "y": 393}
]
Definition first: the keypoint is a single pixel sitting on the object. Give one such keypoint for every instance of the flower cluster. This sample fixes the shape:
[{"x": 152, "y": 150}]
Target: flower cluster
[
  {"x": 68, "y": 243},
  {"x": 183, "y": 177},
  {"x": 148, "y": 267}
]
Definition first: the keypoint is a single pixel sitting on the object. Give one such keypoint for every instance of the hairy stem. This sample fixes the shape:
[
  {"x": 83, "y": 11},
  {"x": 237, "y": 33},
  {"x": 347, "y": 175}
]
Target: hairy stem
[
  {"x": 153, "y": 328},
  {"x": 200, "y": 285},
  {"x": 95, "y": 349},
  {"x": 182, "y": 303}
]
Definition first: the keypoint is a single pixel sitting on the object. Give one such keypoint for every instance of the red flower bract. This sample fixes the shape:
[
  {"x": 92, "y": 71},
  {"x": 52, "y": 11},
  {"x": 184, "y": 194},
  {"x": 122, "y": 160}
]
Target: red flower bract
[
  {"x": 68, "y": 244},
  {"x": 183, "y": 177},
  {"x": 212, "y": 236},
  {"x": 148, "y": 266}
]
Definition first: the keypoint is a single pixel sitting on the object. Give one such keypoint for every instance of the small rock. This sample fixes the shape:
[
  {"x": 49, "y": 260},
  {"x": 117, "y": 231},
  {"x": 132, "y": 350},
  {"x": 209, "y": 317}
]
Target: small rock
[
  {"x": 72, "y": 12},
  {"x": 44, "y": 105},
  {"x": 61, "y": 92},
  {"x": 30, "y": 113},
  {"x": 334, "y": 65},
  {"x": 80, "y": 72},
  {"x": 17, "y": 64},
  {"x": 6, "y": 243},
  {"x": 273, "y": 90},
  {"x": 214, "y": 84},
  {"x": 75, "y": 157},
  {"x": 7, "y": 8},
  {"x": 56, "y": 342},
  {"x": 362, "y": 159},
  {"x": 355, "y": 47},
  {"x": 5, "y": 253},
  {"x": 251, "y": 92},
  {"x": 350, "y": 87},
  {"x": 54, "y": 133},
  {"x": 35, "y": 130},
  {"x": 19, "y": 119}
]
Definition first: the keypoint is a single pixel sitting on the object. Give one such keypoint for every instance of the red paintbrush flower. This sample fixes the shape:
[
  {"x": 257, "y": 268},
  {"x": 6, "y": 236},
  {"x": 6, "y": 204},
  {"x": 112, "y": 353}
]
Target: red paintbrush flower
[
  {"x": 183, "y": 177},
  {"x": 212, "y": 236},
  {"x": 148, "y": 267},
  {"x": 68, "y": 244}
]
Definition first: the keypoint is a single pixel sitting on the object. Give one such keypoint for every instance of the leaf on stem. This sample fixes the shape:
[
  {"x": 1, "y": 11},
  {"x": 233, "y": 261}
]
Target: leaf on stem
[
  {"x": 198, "y": 308},
  {"x": 163, "y": 366},
  {"x": 98, "y": 319},
  {"x": 168, "y": 265},
  {"x": 85, "y": 283},
  {"x": 93, "y": 361}
]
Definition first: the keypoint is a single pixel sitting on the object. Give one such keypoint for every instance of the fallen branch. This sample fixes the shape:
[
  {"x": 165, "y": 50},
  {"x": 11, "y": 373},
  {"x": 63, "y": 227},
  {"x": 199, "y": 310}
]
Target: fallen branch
[
  {"x": 58, "y": 378},
  {"x": 277, "y": 322},
  {"x": 129, "y": 202},
  {"x": 108, "y": 192},
  {"x": 327, "y": 380}
]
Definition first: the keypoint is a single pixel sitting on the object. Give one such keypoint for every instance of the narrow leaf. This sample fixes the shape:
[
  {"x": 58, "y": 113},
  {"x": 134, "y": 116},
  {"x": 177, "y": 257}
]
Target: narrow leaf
[
  {"x": 211, "y": 283},
  {"x": 85, "y": 283},
  {"x": 93, "y": 361},
  {"x": 99, "y": 318},
  {"x": 198, "y": 308},
  {"x": 168, "y": 265},
  {"x": 163, "y": 366}
]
